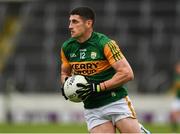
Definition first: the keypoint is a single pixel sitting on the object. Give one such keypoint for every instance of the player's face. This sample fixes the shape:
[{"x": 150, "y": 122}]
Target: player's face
[{"x": 77, "y": 26}]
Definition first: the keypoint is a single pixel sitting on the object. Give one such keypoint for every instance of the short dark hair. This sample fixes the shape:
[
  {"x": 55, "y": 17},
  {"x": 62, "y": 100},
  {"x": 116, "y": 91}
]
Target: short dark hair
[{"x": 85, "y": 12}]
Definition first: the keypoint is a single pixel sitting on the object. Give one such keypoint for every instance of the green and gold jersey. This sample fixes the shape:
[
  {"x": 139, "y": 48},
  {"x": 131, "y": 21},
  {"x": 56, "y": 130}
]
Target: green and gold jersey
[{"x": 93, "y": 58}]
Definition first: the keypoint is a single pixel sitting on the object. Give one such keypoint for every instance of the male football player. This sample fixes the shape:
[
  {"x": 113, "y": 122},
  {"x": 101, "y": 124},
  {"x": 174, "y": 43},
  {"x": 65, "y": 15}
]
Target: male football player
[{"x": 98, "y": 58}]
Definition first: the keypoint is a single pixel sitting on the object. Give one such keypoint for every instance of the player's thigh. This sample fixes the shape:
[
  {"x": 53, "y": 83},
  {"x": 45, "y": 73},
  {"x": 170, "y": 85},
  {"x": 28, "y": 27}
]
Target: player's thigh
[
  {"x": 106, "y": 127},
  {"x": 128, "y": 125}
]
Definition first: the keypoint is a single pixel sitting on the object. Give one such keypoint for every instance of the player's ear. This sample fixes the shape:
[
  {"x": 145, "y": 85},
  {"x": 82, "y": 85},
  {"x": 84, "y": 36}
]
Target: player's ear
[{"x": 89, "y": 23}]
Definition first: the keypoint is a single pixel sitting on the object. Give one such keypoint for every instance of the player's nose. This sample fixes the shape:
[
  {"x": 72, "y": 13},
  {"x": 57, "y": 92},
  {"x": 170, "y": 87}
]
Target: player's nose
[{"x": 70, "y": 26}]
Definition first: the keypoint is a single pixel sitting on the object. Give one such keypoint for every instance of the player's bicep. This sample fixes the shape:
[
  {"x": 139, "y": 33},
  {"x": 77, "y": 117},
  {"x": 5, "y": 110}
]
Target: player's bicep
[
  {"x": 123, "y": 74},
  {"x": 116, "y": 59},
  {"x": 122, "y": 66}
]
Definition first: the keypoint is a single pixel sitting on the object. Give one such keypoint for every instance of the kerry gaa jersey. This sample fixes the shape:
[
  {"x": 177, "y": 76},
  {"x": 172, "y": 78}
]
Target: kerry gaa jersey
[{"x": 93, "y": 58}]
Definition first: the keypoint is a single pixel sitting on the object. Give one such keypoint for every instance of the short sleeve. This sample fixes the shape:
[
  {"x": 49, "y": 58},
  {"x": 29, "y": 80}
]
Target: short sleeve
[
  {"x": 112, "y": 52},
  {"x": 64, "y": 60}
]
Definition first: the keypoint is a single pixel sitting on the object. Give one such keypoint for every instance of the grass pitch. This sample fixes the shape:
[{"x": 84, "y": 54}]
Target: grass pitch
[
  {"x": 70, "y": 128},
  {"x": 43, "y": 128}
]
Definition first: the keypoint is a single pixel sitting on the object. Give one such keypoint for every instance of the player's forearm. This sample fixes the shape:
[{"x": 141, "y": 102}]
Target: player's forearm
[
  {"x": 118, "y": 79},
  {"x": 63, "y": 77},
  {"x": 65, "y": 72}
]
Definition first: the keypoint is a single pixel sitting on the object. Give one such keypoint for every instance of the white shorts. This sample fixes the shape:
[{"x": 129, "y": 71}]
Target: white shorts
[
  {"x": 176, "y": 105},
  {"x": 113, "y": 112}
]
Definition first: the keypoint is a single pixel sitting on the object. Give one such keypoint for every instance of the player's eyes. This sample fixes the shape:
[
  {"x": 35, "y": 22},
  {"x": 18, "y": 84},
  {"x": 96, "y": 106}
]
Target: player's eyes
[{"x": 74, "y": 21}]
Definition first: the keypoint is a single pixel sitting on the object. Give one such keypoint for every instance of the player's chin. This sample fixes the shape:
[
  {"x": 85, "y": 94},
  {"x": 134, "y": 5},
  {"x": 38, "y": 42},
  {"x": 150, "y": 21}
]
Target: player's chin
[{"x": 74, "y": 36}]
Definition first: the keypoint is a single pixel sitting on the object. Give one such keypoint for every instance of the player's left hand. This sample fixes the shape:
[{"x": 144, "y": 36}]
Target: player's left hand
[
  {"x": 62, "y": 90},
  {"x": 63, "y": 94},
  {"x": 87, "y": 89}
]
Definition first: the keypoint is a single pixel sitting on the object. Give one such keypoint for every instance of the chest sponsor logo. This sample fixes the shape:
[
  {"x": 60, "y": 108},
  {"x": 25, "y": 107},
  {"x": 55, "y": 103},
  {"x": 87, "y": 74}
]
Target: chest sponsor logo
[
  {"x": 93, "y": 55},
  {"x": 85, "y": 69}
]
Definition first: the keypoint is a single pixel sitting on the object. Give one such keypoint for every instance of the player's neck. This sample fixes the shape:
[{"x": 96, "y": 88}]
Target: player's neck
[{"x": 85, "y": 36}]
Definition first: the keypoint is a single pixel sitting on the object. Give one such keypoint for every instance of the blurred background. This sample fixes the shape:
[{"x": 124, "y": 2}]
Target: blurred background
[{"x": 31, "y": 35}]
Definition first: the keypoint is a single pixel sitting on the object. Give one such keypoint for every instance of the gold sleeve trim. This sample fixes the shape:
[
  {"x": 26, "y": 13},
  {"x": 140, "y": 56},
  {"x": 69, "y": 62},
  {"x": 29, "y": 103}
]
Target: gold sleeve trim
[
  {"x": 64, "y": 59},
  {"x": 113, "y": 52}
]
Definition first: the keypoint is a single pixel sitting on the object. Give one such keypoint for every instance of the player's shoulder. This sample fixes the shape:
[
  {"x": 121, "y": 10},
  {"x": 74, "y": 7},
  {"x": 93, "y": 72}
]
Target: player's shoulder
[
  {"x": 102, "y": 38},
  {"x": 67, "y": 43}
]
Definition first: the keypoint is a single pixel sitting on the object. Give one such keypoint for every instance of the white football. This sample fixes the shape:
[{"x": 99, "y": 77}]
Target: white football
[{"x": 70, "y": 87}]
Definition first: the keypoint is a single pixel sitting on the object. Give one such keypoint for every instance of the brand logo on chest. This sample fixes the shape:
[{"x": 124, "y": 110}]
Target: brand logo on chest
[{"x": 72, "y": 55}]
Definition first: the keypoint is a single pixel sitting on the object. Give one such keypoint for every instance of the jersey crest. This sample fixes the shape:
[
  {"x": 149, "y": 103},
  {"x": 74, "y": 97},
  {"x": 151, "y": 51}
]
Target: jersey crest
[{"x": 93, "y": 55}]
